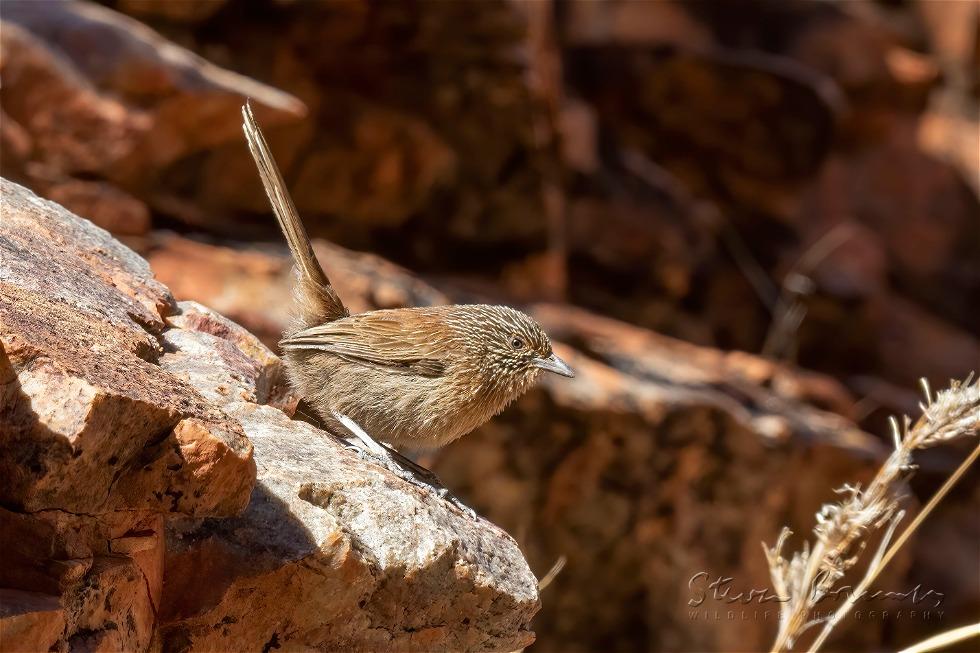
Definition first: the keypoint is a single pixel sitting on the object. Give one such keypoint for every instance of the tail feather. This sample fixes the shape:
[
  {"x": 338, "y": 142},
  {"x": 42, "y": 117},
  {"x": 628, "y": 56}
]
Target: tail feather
[{"x": 318, "y": 300}]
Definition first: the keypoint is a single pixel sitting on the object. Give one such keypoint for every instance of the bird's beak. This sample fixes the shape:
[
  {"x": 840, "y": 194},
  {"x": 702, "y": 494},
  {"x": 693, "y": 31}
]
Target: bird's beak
[{"x": 554, "y": 364}]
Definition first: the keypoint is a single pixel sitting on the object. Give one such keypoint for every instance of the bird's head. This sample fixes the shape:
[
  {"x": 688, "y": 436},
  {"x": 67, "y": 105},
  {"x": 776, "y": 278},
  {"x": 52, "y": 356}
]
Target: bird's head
[{"x": 513, "y": 348}]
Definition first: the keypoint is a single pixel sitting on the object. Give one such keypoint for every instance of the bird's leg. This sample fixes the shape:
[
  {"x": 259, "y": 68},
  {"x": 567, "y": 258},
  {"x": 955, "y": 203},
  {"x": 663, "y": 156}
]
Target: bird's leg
[
  {"x": 369, "y": 443},
  {"x": 400, "y": 465},
  {"x": 371, "y": 447}
]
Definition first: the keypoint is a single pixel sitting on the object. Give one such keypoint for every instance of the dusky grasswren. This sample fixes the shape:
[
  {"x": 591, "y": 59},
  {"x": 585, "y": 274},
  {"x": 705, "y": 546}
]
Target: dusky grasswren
[{"x": 416, "y": 377}]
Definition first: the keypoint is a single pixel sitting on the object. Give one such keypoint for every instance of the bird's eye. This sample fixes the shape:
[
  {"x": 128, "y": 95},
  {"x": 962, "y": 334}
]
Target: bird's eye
[{"x": 517, "y": 343}]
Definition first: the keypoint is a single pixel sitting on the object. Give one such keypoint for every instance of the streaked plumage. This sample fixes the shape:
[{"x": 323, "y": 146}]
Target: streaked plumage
[{"x": 419, "y": 377}]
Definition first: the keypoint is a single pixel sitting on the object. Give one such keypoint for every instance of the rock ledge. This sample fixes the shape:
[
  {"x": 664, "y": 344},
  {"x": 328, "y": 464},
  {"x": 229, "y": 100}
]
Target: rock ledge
[{"x": 157, "y": 497}]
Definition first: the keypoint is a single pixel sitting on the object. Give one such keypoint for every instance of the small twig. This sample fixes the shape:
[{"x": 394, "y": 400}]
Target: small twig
[
  {"x": 548, "y": 579},
  {"x": 750, "y": 268}
]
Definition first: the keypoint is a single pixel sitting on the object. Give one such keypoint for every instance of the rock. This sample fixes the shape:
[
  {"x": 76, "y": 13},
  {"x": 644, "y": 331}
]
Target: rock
[
  {"x": 380, "y": 174},
  {"x": 247, "y": 285},
  {"x": 858, "y": 161},
  {"x": 121, "y": 410},
  {"x": 31, "y": 619},
  {"x": 16, "y": 144},
  {"x": 71, "y": 127},
  {"x": 189, "y": 102},
  {"x": 435, "y": 143},
  {"x": 763, "y": 122},
  {"x": 900, "y": 245},
  {"x": 579, "y": 136},
  {"x": 220, "y": 359},
  {"x": 333, "y": 554},
  {"x": 766, "y": 388},
  {"x": 634, "y": 22},
  {"x": 101, "y": 580},
  {"x": 859, "y": 49},
  {"x": 96, "y": 440},
  {"x": 86, "y": 399},
  {"x": 97, "y": 94},
  {"x": 920, "y": 240},
  {"x": 904, "y": 345},
  {"x": 635, "y": 246},
  {"x": 105, "y": 205},
  {"x": 948, "y": 134}
]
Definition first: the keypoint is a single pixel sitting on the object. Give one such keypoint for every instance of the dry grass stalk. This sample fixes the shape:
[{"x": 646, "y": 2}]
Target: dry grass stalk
[
  {"x": 790, "y": 309},
  {"x": 944, "y": 639},
  {"x": 547, "y": 580},
  {"x": 552, "y": 574},
  {"x": 805, "y": 579}
]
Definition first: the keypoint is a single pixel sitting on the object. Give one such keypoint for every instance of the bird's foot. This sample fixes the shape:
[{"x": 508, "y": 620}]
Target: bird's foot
[
  {"x": 364, "y": 441},
  {"x": 399, "y": 465}
]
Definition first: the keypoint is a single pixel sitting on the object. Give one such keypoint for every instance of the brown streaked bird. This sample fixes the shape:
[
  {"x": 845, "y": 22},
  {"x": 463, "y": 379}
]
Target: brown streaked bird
[{"x": 416, "y": 377}]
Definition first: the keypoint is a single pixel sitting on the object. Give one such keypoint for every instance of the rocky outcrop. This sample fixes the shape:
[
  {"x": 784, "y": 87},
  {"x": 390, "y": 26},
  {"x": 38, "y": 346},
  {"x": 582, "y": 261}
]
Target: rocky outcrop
[
  {"x": 660, "y": 460},
  {"x": 156, "y": 495},
  {"x": 83, "y": 395}
]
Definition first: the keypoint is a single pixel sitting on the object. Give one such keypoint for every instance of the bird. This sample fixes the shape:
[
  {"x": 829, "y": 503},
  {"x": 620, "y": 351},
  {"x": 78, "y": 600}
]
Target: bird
[{"x": 418, "y": 377}]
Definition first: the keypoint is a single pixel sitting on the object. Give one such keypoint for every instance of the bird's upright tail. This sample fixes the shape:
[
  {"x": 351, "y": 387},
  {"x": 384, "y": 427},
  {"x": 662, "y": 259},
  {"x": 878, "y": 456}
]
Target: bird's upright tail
[{"x": 316, "y": 299}]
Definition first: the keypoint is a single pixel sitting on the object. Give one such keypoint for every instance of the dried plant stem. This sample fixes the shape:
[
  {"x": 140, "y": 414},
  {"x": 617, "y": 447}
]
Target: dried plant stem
[
  {"x": 933, "y": 502},
  {"x": 552, "y": 573},
  {"x": 547, "y": 579},
  {"x": 795, "y": 623},
  {"x": 789, "y": 310},
  {"x": 876, "y": 566},
  {"x": 942, "y": 640},
  {"x": 809, "y": 575}
]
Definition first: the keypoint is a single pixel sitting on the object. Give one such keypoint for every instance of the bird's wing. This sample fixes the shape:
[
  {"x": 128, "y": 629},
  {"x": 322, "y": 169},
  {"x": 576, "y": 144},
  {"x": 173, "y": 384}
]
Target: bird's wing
[{"x": 378, "y": 339}]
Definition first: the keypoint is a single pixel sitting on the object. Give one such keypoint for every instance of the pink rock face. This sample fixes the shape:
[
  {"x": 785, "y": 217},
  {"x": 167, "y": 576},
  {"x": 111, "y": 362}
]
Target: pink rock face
[
  {"x": 127, "y": 425},
  {"x": 87, "y": 399},
  {"x": 93, "y": 581},
  {"x": 97, "y": 441}
]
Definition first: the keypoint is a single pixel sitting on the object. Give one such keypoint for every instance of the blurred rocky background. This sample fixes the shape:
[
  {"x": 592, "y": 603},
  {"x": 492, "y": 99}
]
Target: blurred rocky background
[{"x": 666, "y": 184}]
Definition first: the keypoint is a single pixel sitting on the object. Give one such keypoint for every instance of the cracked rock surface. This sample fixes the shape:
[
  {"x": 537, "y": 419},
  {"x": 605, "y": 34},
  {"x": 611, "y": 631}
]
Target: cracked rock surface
[{"x": 155, "y": 496}]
